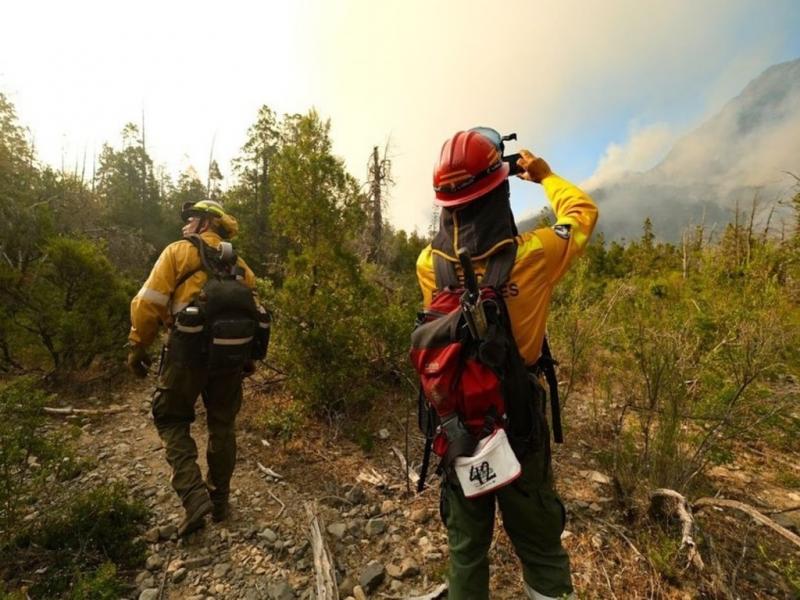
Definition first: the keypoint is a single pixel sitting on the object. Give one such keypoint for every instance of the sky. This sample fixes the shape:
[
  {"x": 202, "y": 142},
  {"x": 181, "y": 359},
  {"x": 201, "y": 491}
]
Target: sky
[{"x": 596, "y": 88}]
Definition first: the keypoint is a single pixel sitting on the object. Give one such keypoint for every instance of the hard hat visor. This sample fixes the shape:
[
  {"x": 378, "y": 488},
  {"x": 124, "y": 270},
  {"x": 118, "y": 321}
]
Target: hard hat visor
[{"x": 204, "y": 208}]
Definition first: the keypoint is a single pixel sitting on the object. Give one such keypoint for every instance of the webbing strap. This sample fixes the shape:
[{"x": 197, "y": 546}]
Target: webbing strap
[
  {"x": 548, "y": 369},
  {"x": 444, "y": 273},
  {"x": 498, "y": 269},
  {"x": 184, "y": 278},
  {"x": 198, "y": 243},
  {"x": 220, "y": 267},
  {"x": 426, "y": 461}
]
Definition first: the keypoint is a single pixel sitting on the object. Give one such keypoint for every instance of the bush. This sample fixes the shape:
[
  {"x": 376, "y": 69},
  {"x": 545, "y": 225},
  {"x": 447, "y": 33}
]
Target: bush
[
  {"x": 30, "y": 454},
  {"x": 71, "y": 308},
  {"x": 79, "y": 547}
]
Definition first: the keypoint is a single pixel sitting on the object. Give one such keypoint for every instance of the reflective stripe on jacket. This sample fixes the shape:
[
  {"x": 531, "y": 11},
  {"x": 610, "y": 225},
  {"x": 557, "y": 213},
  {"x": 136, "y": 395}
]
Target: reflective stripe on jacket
[
  {"x": 158, "y": 300},
  {"x": 543, "y": 257}
]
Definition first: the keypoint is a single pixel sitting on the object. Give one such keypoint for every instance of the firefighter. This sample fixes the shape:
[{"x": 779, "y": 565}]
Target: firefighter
[
  {"x": 472, "y": 188},
  {"x": 173, "y": 285}
]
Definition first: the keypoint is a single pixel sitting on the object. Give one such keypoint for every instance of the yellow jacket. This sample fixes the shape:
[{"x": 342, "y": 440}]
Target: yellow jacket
[
  {"x": 543, "y": 256},
  {"x": 158, "y": 300}
]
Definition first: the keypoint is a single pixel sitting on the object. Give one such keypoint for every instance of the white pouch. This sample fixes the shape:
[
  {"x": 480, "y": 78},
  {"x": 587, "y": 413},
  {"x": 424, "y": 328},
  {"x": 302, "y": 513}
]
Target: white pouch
[{"x": 492, "y": 466}]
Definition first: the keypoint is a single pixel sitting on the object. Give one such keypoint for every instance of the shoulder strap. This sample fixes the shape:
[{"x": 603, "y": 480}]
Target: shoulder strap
[
  {"x": 196, "y": 241},
  {"x": 498, "y": 269},
  {"x": 223, "y": 266},
  {"x": 444, "y": 272},
  {"x": 184, "y": 278}
]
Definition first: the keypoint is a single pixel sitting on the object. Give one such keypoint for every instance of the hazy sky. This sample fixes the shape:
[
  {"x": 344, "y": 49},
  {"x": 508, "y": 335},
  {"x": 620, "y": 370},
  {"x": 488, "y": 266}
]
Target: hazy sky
[{"x": 597, "y": 88}]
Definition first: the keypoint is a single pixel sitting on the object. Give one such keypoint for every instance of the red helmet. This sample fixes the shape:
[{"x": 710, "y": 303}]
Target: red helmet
[{"x": 469, "y": 166}]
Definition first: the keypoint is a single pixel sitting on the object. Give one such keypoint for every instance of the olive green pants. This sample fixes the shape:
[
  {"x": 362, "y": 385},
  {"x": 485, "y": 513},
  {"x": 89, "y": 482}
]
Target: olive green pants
[
  {"x": 533, "y": 517},
  {"x": 173, "y": 413}
]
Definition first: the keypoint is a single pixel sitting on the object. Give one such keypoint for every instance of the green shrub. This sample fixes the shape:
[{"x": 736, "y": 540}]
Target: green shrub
[
  {"x": 79, "y": 546},
  {"x": 282, "y": 419},
  {"x": 70, "y": 307},
  {"x": 30, "y": 454},
  {"x": 103, "y": 584}
]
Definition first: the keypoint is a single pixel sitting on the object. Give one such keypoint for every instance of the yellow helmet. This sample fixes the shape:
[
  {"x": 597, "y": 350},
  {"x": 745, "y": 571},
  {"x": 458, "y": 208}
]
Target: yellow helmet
[
  {"x": 204, "y": 208},
  {"x": 211, "y": 209}
]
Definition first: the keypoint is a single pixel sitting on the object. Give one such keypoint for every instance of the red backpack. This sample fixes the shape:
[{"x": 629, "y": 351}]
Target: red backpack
[{"x": 472, "y": 384}]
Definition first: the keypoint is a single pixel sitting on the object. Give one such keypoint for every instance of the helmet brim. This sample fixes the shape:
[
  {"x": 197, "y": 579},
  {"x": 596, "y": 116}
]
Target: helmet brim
[{"x": 481, "y": 187}]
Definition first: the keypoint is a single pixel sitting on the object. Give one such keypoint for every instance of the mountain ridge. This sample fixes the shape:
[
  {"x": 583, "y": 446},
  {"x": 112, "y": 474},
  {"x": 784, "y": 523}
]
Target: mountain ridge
[{"x": 739, "y": 155}]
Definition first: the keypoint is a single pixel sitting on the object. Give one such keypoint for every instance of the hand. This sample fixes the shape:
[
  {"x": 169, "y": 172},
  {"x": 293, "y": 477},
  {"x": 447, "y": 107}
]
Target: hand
[
  {"x": 139, "y": 361},
  {"x": 249, "y": 368},
  {"x": 534, "y": 168}
]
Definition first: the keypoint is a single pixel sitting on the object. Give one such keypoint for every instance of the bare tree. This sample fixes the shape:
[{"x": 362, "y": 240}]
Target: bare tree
[{"x": 379, "y": 178}]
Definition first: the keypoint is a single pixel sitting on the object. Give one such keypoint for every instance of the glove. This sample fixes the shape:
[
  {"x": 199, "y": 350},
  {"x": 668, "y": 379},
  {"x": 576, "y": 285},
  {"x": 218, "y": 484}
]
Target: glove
[
  {"x": 139, "y": 361},
  {"x": 249, "y": 368},
  {"x": 534, "y": 168}
]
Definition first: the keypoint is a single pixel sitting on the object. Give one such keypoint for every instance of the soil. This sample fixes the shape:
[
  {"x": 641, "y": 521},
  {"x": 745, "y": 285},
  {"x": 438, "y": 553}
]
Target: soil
[{"x": 379, "y": 531}]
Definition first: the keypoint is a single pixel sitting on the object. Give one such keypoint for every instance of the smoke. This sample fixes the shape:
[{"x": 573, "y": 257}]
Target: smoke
[
  {"x": 642, "y": 150},
  {"x": 741, "y": 153}
]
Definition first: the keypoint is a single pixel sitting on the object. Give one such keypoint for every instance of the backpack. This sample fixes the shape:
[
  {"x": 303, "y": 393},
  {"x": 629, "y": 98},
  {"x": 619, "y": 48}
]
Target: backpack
[
  {"x": 223, "y": 327},
  {"x": 470, "y": 385}
]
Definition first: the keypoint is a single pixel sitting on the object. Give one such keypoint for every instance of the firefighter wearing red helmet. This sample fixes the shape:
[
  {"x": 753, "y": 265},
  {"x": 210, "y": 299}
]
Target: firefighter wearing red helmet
[{"x": 471, "y": 186}]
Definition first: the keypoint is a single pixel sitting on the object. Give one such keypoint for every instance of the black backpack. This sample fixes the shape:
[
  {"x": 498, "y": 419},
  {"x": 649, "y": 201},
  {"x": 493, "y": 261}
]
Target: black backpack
[{"x": 223, "y": 327}]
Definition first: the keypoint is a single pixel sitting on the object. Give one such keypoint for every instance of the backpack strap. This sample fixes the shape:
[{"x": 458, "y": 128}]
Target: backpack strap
[
  {"x": 198, "y": 243},
  {"x": 444, "y": 273},
  {"x": 185, "y": 277},
  {"x": 546, "y": 364},
  {"x": 498, "y": 269},
  {"x": 224, "y": 266}
]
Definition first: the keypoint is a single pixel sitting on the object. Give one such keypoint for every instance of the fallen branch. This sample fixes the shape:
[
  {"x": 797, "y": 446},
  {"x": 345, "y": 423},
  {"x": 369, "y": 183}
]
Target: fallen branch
[
  {"x": 91, "y": 412},
  {"x": 780, "y": 511},
  {"x": 268, "y": 471},
  {"x": 278, "y": 500},
  {"x": 324, "y": 574},
  {"x": 410, "y": 474},
  {"x": 164, "y": 576},
  {"x": 373, "y": 478},
  {"x": 433, "y": 595},
  {"x": 608, "y": 581},
  {"x": 670, "y": 503},
  {"x": 756, "y": 515}
]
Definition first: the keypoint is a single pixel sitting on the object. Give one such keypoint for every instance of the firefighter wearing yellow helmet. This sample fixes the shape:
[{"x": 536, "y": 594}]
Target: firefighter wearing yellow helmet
[{"x": 200, "y": 358}]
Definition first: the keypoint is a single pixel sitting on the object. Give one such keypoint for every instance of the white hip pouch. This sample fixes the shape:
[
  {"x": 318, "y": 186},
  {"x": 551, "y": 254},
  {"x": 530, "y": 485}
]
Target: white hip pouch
[{"x": 492, "y": 466}]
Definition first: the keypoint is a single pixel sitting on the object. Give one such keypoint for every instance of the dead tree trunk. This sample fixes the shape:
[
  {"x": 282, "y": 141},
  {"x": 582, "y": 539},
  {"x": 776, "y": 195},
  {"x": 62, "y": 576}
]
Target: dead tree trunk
[{"x": 379, "y": 176}]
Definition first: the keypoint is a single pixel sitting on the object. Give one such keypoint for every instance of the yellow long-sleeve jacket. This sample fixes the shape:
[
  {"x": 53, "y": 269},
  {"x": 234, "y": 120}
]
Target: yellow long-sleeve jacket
[
  {"x": 543, "y": 257},
  {"x": 159, "y": 300}
]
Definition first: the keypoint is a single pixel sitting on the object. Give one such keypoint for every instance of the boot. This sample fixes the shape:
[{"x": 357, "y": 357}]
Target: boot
[
  {"x": 221, "y": 510},
  {"x": 219, "y": 498},
  {"x": 195, "y": 516}
]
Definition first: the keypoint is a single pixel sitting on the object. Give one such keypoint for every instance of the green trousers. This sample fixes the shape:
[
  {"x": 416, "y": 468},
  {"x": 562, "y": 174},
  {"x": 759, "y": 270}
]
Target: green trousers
[
  {"x": 533, "y": 517},
  {"x": 173, "y": 413}
]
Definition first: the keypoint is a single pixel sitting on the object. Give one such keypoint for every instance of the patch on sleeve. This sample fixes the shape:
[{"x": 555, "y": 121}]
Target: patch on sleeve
[{"x": 562, "y": 230}]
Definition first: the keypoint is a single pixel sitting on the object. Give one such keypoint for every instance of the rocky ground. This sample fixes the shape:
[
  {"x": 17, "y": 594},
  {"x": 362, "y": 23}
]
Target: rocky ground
[{"x": 386, "y": 542}]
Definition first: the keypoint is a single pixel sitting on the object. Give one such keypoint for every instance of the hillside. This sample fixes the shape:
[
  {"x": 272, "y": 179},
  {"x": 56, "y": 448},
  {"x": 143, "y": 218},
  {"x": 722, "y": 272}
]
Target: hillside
[{"x": 740, "y": 153}]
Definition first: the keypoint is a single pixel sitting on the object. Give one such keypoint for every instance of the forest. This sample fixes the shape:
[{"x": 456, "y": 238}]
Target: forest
[{"x": 678, "y": 366}]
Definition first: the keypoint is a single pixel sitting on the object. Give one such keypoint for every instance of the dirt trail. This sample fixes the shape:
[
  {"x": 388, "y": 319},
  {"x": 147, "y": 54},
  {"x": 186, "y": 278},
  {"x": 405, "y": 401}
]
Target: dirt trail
[
  {"x": 263, "y": 550},
  {"x": 386, "y": 543}
]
